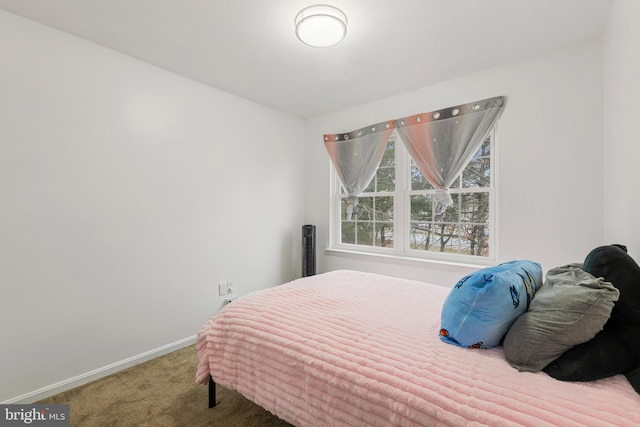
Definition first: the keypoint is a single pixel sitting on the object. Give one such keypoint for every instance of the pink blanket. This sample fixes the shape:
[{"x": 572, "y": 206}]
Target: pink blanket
[{"x": 358, "y": 349}]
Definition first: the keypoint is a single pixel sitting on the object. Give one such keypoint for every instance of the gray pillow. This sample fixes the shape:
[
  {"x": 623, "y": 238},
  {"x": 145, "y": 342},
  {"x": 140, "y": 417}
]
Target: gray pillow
[{"x": 569, "y": 309}]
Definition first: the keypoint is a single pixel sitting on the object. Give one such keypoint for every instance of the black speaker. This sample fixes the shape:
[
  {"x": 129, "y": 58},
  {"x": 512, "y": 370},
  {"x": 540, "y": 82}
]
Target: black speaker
[{"x": 308, "y": 250}]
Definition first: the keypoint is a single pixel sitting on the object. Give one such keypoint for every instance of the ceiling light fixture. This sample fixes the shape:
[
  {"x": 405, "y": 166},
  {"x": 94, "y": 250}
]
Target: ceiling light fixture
[{"x": 321, "y": 25}]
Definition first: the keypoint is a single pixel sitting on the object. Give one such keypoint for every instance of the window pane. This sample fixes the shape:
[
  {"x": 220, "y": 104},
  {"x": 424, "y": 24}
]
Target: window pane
[
  {"x": 458, "y": 182},
  {"x": 464, "y": 229},
  {"x": 485, "y": 148},
  {"x": 421, "y": 208},
  {"x": 430, "y": 236},
  {"x": 478, "y": 171},
  {"x": 379, "y": 208},
  {"x": 383, "y": 208},
  {"x": 420, "y": 236},
  {"x": 446, "y": 235},
  {"x": 372, "y": 222},
  {"x": 389, "y": 156},
  {"x": 418, "y": 181},
  {"x": 475, "y": 240},
  {"x": 474, "y": 207},
  {"x": 449, "y": 238},
  {"x": 451, "y": 213},
  {"x": 364, "y": 234},
  {"x": 384, "y": 235},
  {"x": 363, "y": 211},
  {"x": 384, "y": 179},
  {"x": 348, "y": 234},
  {"x": 372, "y": 185}
]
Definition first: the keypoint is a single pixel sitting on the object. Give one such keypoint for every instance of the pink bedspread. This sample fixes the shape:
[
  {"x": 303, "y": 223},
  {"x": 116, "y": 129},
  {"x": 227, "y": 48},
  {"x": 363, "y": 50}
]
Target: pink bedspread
[{"x": 357, "y": 349}]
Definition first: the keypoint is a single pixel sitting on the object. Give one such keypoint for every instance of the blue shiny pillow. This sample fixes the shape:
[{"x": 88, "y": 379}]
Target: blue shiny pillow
[{"x": 482, "y": 306}]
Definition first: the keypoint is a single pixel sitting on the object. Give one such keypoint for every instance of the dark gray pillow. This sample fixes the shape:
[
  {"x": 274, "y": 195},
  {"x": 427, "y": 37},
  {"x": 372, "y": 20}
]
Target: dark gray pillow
[{"x": 569, "y": 309}]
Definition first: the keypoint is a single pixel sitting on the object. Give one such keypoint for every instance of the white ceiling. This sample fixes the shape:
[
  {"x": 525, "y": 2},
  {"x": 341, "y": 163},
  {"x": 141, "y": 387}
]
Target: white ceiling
[{"x": 248, "y": 47}]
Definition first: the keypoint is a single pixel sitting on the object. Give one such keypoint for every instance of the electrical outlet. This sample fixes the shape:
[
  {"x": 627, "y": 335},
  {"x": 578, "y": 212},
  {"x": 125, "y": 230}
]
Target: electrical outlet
[
  {"x": 231, "y": 289},
  {"x": 223, "y": 290},
  {"x": 231, "y": 292}
]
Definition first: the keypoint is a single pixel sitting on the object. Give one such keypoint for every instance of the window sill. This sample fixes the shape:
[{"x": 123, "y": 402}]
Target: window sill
[{"x": 411, "y": 261}]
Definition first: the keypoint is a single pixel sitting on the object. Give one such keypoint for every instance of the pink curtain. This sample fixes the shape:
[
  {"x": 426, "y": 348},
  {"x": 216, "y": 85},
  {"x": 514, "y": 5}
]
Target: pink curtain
[
  {"x": 356, "y": 156},
  {"x": 441, "y": 143}
]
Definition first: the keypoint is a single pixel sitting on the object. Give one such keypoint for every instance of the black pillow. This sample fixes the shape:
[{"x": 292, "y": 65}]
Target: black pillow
[{"x": 616, "y": 349}]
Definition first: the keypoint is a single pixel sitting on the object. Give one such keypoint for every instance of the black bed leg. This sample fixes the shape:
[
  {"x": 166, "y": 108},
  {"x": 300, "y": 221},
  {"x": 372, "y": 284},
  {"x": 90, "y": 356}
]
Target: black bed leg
[{"x": 212, "y": 392}]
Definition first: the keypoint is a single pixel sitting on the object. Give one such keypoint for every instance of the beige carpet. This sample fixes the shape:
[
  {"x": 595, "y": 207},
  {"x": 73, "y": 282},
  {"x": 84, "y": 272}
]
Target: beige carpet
[{"x": 161, "y": 392}]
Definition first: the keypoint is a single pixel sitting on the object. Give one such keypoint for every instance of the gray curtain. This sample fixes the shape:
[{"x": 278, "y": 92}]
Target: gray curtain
[
  {"x": 356, "y": 156},
  {"x": 441, "y": 143}
]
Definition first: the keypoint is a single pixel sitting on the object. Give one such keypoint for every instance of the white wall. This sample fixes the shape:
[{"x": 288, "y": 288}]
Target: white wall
[
  {"x": 622, "y": 126},
  {"x": 126, "y": 193},
  {"x": 549, "y": 159}
]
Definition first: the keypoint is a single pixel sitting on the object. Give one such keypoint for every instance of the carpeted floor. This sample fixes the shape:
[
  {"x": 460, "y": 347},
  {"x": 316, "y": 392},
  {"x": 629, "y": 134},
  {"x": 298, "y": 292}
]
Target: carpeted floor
[{"x": 161, "y": 392}]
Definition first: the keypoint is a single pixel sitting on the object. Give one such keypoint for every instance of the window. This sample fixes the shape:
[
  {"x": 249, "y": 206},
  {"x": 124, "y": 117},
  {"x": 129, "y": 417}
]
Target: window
[{"x": 395, "y": 214}]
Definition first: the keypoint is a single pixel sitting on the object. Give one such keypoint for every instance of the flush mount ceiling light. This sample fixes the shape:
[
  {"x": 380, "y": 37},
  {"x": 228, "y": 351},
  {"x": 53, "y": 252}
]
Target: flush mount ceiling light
[{"x": 321, "y": 25}]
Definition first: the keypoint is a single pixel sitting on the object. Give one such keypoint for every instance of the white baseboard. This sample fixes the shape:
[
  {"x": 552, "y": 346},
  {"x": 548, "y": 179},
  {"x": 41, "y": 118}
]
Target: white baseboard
[{"x": 85, "y": 378}]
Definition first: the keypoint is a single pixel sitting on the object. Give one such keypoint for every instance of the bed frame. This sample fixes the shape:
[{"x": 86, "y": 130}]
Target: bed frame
[{"x": 212, "y": 392}]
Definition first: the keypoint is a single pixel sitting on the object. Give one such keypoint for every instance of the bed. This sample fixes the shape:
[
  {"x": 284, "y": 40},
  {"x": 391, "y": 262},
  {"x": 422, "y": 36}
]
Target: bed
[{"x": 349, "y": 348}]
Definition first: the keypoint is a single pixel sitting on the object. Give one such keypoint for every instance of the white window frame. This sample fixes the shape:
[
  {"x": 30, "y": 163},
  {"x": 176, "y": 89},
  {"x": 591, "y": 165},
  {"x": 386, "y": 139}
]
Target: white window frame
[{"x": 401, "y": 214}]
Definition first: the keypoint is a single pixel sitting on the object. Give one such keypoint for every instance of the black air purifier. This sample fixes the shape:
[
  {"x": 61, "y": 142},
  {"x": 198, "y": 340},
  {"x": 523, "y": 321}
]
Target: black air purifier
[{"x": 308, "y": 250}]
